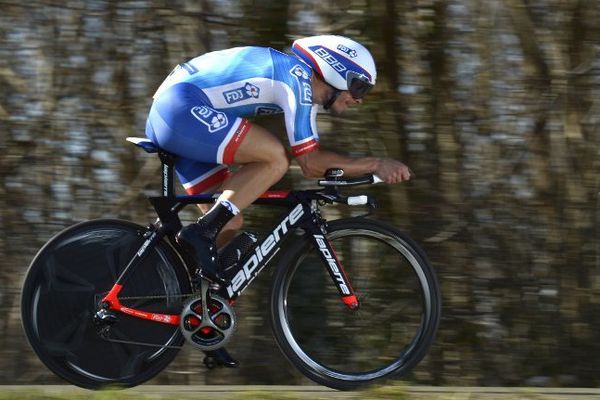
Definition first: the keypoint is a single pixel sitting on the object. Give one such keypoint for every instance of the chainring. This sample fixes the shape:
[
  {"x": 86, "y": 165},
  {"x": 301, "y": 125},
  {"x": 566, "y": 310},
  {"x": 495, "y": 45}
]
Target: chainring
[{"x": 208, "y": 329}]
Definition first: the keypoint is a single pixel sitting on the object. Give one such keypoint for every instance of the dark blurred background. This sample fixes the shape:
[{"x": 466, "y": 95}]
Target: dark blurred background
[{"x": 494, "y": 104}]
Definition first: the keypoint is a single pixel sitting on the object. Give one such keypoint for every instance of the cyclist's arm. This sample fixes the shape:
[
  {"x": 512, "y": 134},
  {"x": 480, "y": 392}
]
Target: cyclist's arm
[{"x": 315, "y": 163}]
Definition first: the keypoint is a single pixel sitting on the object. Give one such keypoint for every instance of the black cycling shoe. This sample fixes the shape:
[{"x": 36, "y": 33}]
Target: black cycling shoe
[
  {"x": 198, "y": 239},
  {"x": 194, "y": 241},
  {"x": 220, "y": 358}
]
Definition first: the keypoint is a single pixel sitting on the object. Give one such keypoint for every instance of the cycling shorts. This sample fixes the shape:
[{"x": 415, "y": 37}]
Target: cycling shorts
[{"x": 183, "y": 122}]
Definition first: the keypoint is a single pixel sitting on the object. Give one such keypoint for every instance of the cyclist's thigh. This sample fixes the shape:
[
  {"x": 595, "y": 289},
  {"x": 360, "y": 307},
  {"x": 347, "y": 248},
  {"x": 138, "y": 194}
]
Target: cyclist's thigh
[
  {"x": 260, "y": 145},
  {"x": 199, "y": 177},
  {"x": 182, "y": 121}
]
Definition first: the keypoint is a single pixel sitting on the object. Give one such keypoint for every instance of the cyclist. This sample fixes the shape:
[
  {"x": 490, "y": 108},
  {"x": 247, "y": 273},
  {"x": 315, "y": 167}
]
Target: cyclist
[{"x": 200, "y": 114}]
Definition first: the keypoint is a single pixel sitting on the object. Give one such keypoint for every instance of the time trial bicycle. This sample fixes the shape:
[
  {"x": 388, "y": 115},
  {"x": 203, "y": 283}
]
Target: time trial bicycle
[{"x": 353, "y": 300}]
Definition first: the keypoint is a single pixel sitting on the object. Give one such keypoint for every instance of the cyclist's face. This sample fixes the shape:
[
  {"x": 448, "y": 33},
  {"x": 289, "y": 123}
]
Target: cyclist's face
[
  {"x": 343, "y": 102},
  {"x": 323, "y": 92}
]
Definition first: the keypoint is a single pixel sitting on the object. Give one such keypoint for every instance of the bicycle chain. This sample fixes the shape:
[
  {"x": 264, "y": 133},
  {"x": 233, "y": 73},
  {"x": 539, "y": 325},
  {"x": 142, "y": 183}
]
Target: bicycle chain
[
  {"x": 183, "y": 296},
  {"x": 104, "y": 336},
  {"x": 108, "y": 339}
]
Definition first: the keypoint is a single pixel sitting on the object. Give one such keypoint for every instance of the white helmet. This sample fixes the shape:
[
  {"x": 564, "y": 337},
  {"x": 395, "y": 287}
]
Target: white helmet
[{"x": 340, "y": 61}]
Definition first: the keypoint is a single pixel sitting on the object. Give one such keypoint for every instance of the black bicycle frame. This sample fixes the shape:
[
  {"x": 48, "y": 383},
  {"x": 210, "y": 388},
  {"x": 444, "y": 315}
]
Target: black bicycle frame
[{"x": 302, "y": 213}]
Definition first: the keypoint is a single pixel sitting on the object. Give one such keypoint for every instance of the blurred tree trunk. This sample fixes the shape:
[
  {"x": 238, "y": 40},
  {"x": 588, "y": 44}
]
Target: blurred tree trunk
[{"x": 493, "y": 104}]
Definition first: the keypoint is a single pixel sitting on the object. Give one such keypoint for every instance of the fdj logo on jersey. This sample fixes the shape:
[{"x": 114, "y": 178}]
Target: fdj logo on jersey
[
  {"x": 303, "y": 79},
  {"x": 299, "y": 72},
  {"x": 248, "y": 91},
  {"x": 210, "y": 117}
]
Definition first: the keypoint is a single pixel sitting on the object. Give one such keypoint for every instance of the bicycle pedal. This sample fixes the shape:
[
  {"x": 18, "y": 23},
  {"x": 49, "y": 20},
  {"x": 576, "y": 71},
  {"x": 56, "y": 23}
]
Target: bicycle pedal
[
  {"x": 210, "y": 362},
  {"x": 213, "y": 362},
  {"x": 219, "y": 358}
]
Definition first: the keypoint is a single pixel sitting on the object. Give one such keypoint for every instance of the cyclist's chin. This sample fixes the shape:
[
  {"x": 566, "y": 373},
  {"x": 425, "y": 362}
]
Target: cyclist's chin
[{"x": 338, "y": 109}]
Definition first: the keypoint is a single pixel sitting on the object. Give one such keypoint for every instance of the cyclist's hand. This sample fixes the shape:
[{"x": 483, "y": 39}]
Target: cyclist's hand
[{"x": 392, "y": 171}]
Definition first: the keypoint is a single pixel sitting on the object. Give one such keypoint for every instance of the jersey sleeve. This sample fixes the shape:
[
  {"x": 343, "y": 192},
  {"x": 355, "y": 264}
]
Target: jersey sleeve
[
  {"x": 296, "y": 101},
  {"x": 305, "y": 138}
]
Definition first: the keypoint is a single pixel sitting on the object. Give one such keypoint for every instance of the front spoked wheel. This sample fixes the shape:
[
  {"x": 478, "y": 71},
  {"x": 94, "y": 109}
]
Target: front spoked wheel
[
  {"x": 62, "y": 290},
  {"x": 394, "y": 326}
]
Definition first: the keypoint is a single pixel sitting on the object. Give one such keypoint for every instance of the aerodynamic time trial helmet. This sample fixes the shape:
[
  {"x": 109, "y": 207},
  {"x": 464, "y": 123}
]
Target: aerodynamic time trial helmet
[{"x": 341, "y": 62}]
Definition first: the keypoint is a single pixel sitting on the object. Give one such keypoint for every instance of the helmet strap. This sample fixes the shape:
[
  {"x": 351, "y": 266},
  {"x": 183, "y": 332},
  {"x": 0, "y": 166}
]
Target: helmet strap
[{"x": 332, "y": 100}]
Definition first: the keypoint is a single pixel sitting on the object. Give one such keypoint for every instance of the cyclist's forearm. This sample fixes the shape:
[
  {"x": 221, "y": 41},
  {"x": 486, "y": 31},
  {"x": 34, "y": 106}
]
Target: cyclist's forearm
[{"x": 315, "y": 163}]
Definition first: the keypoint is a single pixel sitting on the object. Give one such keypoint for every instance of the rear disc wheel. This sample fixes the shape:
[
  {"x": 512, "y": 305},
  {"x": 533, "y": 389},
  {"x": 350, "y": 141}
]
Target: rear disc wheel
[{"x": 64, "y": 285}]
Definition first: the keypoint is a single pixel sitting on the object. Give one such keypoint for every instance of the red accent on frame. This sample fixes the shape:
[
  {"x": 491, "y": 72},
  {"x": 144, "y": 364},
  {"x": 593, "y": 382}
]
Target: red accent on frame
[
  {"x": 275, "y": 194},
  {"x": 114, "y": 304},
  {"x": 351, "y": 301},
  {"x": 111, "y": 297}
]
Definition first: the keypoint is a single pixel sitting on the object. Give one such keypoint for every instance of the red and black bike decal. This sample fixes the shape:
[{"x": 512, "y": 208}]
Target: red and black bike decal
[
  {"x": 115, "y": 304},
  {"x": 337, "y": 272}
]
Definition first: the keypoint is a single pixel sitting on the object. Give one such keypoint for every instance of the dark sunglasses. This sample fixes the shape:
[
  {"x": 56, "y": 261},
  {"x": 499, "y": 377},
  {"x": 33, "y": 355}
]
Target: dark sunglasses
[{"x": 358, "y": 85}]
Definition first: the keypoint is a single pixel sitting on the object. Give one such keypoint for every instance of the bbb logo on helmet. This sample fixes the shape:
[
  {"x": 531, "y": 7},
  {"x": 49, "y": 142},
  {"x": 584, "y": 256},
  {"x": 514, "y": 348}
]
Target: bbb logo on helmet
[
  {"x": 329, "y": 59},
  {"x": 248, "y": 91}
]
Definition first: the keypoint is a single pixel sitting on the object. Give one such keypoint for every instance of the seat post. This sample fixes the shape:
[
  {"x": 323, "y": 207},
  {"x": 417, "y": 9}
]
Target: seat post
[{"x": 168, "y": 161}]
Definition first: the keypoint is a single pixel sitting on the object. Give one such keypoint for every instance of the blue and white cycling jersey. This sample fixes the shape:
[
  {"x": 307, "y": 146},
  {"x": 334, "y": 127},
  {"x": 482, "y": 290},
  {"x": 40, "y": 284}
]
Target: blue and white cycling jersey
[{"x": 248, "y": 81}]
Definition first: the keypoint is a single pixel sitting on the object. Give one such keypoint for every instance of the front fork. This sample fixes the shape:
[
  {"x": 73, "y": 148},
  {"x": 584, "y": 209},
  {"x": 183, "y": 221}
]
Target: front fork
[{"x": 334, "y": 266}]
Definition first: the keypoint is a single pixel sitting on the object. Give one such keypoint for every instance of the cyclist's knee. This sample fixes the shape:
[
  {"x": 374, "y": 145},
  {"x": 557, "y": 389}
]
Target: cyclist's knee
[{"x": 279, "y": 161}]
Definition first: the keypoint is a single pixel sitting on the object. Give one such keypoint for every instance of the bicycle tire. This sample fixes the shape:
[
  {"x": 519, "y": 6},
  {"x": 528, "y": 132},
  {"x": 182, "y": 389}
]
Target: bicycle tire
[
  {"x": 345, "y": 349},
  {"x": 63, "y": 286}
]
